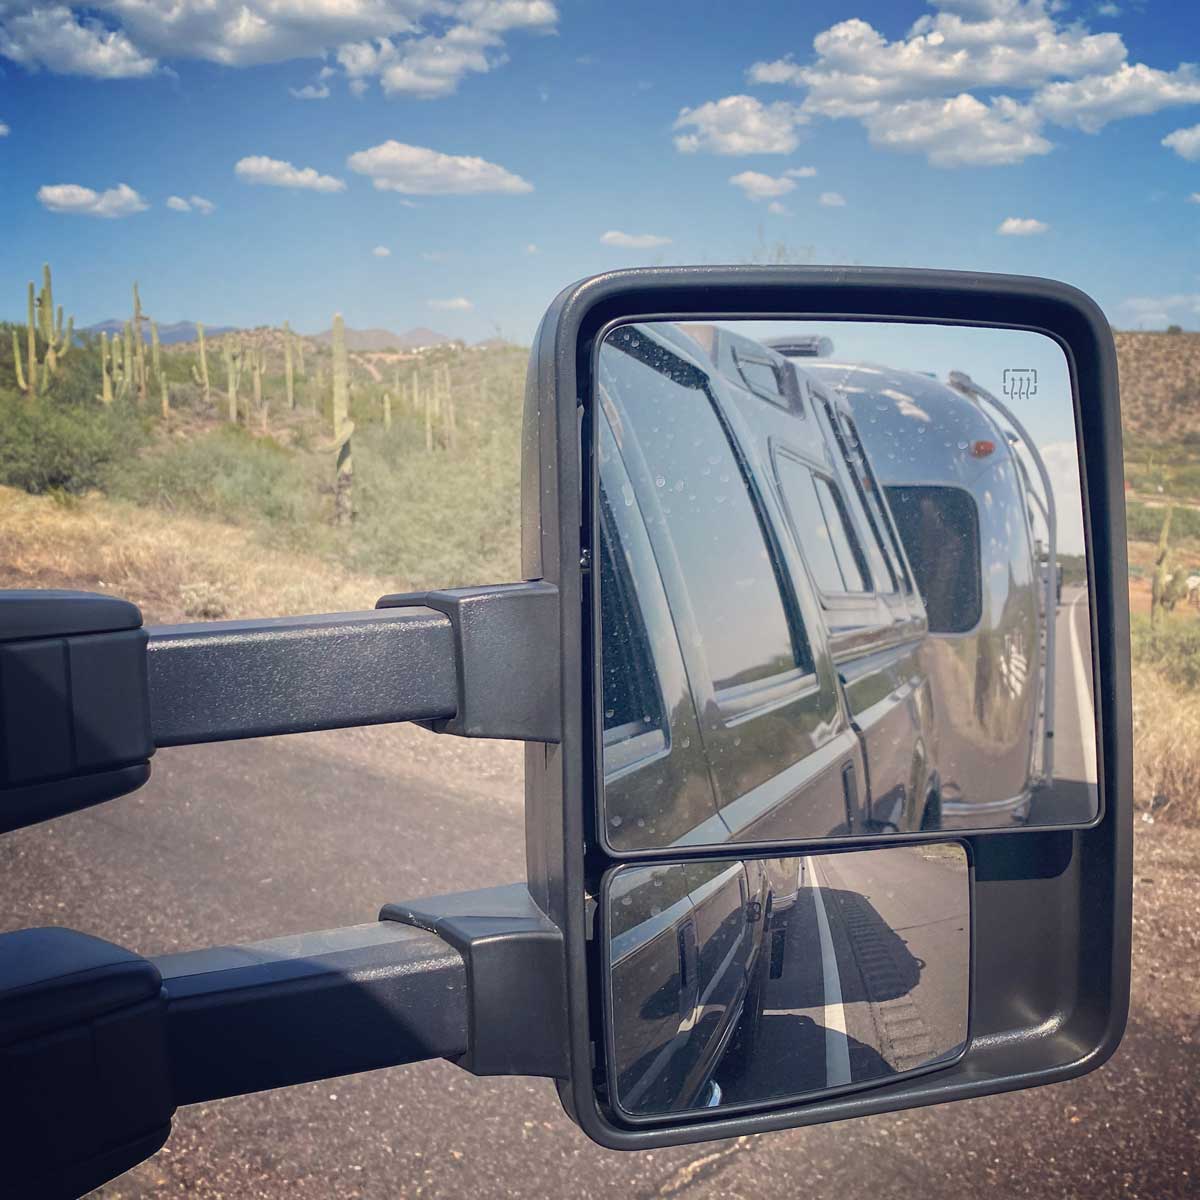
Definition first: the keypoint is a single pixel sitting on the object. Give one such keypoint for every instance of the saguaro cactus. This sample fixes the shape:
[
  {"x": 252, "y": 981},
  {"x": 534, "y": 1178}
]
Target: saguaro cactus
[
  {"x": 288, "y": 375},
  {"x": 1162, "y": 573},
  {"x": 387, "y": 410},
  {"x": 156, "y": 359},
  {"x": 40, "y": 320},
  {"x": 139, "y": 346},
  {"x": 18, "y": 370},
  {"x": 106, "y": 383},
  {"x": 50, "y": 323},
  {"x": 201, "y": 375},
  {"x": 343, "y": 491},
  {"x": 257, "y": 358},
  {"x": 233, "y": 372}
]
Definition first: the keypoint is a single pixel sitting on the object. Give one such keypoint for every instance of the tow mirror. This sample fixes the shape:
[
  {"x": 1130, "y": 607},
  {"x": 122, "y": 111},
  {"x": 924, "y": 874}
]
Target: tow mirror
[
  {"x": 821, "y": 661},
  {"x": 841, "y": 565}
]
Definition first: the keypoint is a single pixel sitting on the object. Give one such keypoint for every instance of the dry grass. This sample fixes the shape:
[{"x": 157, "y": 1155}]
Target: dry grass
[
  {"x": 174, "y": 567},
  {"x": 1166, "y": 749}
]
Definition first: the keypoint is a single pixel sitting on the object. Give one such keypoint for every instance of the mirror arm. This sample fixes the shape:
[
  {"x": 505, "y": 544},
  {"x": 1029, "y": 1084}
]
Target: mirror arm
[
  {"x": 98, "y": 1045},
  {"x": 310, "y": 1006},
  {"x": 87, "y": 694}
]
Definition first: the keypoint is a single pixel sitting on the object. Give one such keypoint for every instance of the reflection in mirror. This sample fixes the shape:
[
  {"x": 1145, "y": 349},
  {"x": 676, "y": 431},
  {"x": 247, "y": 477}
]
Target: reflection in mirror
[
  {"x": 843, "y": 585},
  {"x": 755, "y": 981}
]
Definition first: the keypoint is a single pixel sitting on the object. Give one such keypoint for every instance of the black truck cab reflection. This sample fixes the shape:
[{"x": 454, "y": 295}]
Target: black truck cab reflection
[{"x": 761, "y": 634}]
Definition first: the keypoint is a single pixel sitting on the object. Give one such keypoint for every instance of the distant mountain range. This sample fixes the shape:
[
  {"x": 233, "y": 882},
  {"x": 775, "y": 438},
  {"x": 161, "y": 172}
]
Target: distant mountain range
[
  {"x": 385, "y": 339},
  {"x": 356, "y": 339},
  {"x": 169, "y": 335}
]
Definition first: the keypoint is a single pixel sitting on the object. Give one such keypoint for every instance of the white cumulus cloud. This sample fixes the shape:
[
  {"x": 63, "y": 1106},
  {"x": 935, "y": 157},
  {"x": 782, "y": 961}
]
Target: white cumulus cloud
[
  {"x": 119, "y": 201},
  {"x": 1156, "y": 311},
  {"x": 190, "y": 204},
  {"x": 258, "y": 168},
  {"x": 757, "y": 186},
  {"x": 974, "y": 82},
  {"x": 125, "y": 38},
  {"x": 960, "y": 131},
  {"x": 1021, "y": 227},
  {"x": 633, "y": 241},
  {"x": 1185, "y": 143},
  {"x": 832, "y": 200},
  {"x": 433, "y": 64},
  {"x": 417, "y": 171},
  {"x": 1129, "y": 91},
  {"x": 311, "y": 91},
  {"x": 381, "y": 252},
  {"x": 57, "y": 38},
  {"x": 457, "y": 304},
  {"x": 4, "y": 130},
  {"x": 739, "y": 125}
]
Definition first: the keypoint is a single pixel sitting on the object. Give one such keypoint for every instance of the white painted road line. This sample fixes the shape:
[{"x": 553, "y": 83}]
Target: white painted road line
[
  {"x": 1087, "y": 714},
  {"x": 837, "y": 1049}
]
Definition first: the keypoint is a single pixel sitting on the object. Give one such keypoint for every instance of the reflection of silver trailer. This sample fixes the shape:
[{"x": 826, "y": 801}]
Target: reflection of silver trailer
[
  {"x": 964, "y": 503},
  {"x": 1051, "y": 574}
]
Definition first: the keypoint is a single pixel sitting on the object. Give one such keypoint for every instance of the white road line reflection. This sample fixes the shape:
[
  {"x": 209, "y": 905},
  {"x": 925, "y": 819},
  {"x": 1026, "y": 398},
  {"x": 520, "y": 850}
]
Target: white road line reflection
[
  {"x": 1087, "y": 714},
  {"x": 837, "y": 1049}
]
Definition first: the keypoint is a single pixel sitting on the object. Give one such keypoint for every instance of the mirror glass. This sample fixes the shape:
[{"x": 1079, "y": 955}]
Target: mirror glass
[
  {"x": 736, "y": 983},
  {"x": 842, "y": 583}
]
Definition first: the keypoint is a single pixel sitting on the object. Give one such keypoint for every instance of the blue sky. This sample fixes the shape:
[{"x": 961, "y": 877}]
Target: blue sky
[{"x": 913, "y": 132}]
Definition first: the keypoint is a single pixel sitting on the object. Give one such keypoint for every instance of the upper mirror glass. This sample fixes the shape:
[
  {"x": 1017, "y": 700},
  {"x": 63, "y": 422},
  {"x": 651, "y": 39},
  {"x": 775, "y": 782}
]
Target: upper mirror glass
[{"x": 842, "y": 583}]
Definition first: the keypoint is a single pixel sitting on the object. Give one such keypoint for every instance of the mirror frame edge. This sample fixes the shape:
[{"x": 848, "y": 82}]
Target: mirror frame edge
[{"x": 1084, "y": 1024}]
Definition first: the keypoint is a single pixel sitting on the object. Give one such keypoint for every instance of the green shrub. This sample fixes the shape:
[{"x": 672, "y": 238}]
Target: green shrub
[
  {"x": 1173, "y": 649},
  {"x": 1144, "y": 524},
  {"x": 50, "y": 446},
  {"x": 226, "y": 473}
]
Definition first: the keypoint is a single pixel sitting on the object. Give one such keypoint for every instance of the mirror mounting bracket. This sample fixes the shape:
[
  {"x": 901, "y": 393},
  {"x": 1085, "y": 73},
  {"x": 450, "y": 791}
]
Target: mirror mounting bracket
[
  {"x": 516, "y": 977},
  {"x": 505, "y": 658}
]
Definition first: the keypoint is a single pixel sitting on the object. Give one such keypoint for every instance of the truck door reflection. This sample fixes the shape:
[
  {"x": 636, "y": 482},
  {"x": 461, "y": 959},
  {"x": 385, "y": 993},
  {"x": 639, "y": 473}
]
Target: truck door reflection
[{"x": 762, "y": 980}]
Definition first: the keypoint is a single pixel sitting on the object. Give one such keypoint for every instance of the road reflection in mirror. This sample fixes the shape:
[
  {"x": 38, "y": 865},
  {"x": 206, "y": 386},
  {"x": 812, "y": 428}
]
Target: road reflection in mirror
[
  {"x": 842, "y": 583},
  {"x": 741, "y": 983}
]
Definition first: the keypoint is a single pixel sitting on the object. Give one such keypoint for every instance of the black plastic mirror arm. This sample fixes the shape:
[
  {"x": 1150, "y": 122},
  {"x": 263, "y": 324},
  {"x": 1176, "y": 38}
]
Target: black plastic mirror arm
[
  {"x": 470, "y": 661},
  {"x": 247, "y": 1018},
  {"x": 99, "y": 1046},
  {"x": 87, "y": 694},
  {"x": 226, "y": 680}
]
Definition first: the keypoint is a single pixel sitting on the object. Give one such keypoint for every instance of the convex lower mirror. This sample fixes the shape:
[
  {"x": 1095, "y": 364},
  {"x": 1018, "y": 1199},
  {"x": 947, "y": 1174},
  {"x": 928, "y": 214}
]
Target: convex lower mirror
[
  {"x": 842, "y": 583},
  {"x": 744, "y": 982}
]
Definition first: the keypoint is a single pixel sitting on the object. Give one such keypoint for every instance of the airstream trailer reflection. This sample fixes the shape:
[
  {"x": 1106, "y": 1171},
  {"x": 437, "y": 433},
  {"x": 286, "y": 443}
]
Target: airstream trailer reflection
[{"x": 975, "y": 507}]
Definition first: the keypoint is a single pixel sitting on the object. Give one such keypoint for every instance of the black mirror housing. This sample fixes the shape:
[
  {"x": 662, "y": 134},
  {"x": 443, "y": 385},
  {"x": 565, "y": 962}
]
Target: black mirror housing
[{"x": 1051, "y": 909}]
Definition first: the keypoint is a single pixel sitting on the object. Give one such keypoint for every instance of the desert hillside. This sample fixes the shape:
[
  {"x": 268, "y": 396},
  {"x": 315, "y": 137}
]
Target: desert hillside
[{"x": 1160, "y": 384}]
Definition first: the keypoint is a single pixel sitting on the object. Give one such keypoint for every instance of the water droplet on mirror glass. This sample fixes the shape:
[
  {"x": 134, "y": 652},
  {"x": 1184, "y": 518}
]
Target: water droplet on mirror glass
[{"x": 659, "y": 481}]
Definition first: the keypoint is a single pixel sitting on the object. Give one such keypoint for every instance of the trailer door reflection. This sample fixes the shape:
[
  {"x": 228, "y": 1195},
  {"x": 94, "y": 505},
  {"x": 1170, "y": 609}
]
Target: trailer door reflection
[{"x": 741, "y": 982}]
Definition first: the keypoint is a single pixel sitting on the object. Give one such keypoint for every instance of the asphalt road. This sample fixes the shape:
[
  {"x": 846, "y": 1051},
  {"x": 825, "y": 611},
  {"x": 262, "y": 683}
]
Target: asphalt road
[
  {"x": 244, "y": 841},
  {"x": 1073, "y": 795},
  {"x": 871, "y": 978}
]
